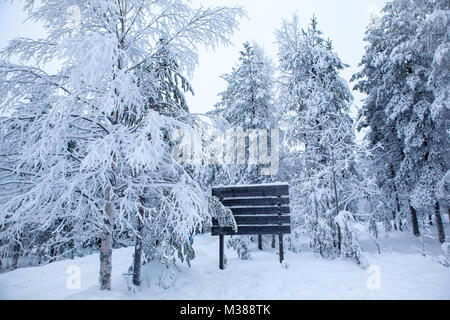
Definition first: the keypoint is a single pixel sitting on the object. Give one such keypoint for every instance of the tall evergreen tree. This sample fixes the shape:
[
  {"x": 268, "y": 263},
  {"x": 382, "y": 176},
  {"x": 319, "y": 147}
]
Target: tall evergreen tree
[
  {"x": 315, "y": 104},
  {"x": 407, "y": 104},
  {"x": 247, "y": 104}
]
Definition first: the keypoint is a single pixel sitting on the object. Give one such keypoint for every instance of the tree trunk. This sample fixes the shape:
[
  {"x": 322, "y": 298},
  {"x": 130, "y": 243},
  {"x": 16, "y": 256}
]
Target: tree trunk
[
  {"x": 396, "y": 213},
  {"x": 414, "y": 221},
  {"x": 339, "y": 238},
  {"x": 336, "y": 204},
  {"x": 399, "y": 218},
  {"x": 53, "y": 254},
  {"x": 394, "y": 218},
  {"x": 273, "y": 241},
  {"x": 106, "y": 240},
  {"x": 439, "y": 224},
  {"x": 16, "y": 254},
  {"x": 138, "y": 246},
  {"x": 430, "y": 219},
  {"x": 106, "y": 246},
  {"x": 260, "y": 242},
  {"x": 375, "y": 233}
]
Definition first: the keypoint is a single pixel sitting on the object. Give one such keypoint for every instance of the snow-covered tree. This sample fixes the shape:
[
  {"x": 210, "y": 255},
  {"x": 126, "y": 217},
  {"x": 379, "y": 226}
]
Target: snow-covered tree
[
  {"x": 388, "y": 147},
  {"x": 247, "y": 103},
  {"x": 405, "y": 78},
  {"x": 247, "y": 100},
  {"x": 90, "y": 142},
  {"x": 315, "y": 103},
  {"x": 247, "y": 106}
]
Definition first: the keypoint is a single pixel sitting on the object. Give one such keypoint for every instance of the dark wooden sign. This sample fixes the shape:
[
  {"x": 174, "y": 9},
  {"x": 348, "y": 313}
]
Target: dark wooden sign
[{"x": 257, "y": 210}]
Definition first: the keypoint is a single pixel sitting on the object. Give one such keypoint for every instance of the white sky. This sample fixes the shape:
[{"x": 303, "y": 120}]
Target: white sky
[{"x": 344, "y": 21}]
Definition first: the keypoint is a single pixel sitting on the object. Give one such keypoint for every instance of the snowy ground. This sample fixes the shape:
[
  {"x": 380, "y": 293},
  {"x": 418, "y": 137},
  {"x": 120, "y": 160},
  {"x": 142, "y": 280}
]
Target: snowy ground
[{"x": 404, "y": 274}]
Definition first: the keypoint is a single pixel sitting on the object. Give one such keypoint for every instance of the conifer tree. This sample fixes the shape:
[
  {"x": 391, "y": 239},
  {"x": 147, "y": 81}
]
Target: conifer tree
[
  {"x": 315, "y": 104},
  {"x": 405, "y": 78}
]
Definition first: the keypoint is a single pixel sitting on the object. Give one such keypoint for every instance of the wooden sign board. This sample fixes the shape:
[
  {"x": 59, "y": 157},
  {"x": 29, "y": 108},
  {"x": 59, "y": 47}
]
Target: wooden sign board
[{"x": 257, "y": 210}]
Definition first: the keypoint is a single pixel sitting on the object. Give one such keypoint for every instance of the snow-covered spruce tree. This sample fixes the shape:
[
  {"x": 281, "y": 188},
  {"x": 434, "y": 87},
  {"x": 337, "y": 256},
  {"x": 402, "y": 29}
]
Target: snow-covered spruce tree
[
  {"x": 406, "y": 80},
  {"x": 435, "y": 29},
  {"x": 162, "y": 80},
  {"x": 315, "y": 102},
  {"x": 248, "y": 98},
  {"x": 85, "y": 164},
  {"x": 247, "y": 105},
  {"x": 157, "y": 235},
  {"x": 428, "y": 143},
  {"x": 387, "y": 146}
]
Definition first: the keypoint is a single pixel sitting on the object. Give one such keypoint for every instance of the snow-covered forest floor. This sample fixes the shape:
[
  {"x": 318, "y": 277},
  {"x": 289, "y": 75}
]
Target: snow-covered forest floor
[{"x": 404, "y": 274}]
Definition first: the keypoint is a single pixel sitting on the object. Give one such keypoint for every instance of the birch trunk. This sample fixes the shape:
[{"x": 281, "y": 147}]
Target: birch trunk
[
  {"x": 106, "y": 246},
  {"x": 138, "y": 246}
]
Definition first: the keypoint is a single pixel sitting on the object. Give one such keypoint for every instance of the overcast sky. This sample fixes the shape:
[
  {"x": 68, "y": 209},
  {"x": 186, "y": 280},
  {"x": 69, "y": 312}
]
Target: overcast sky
[{"x": 343, "y": 21}]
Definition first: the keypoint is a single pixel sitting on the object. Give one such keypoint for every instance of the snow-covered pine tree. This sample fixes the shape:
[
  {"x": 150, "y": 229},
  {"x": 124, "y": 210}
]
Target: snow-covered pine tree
[
  {"x": 407, "y": 106},
  {"x": 247, "y": 105},
  {"x": 248, "y": 98},
  {"x": 387, "y": 146},
  {"x": 156, "y": 238},
  {"x": 96, "y": 183},
  {"x": 163, "y": 81},
  {"x": 428, "y": 143},
  {"x": 315, "y": 103}
]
